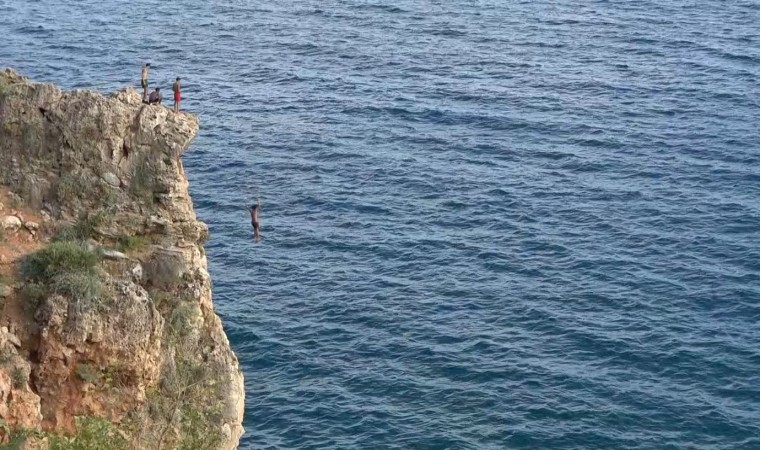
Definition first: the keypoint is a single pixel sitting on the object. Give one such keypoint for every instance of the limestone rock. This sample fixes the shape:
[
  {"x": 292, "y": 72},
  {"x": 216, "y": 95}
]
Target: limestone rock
[
  {"x": 11, "y": 222},
  {"x": 125, "y": 333},
  {"x": 137, "y": 273},
  {"x": 167, "y": 267},
  {"x": 66, "y": 152},
  {"x": 111, "y": 178},
  {"x": 19, "y": 405},
  {"x": 92, "y": 245},
  {"x": 113, "y": 254},
  {"x": 11, "y": 338}
]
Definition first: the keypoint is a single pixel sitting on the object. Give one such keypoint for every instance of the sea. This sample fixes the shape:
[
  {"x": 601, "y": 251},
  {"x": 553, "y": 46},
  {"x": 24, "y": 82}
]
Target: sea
[{"x": 486, "y": 224}]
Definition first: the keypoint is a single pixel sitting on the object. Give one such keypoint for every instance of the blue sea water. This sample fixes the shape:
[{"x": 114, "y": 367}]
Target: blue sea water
[{"x": 486, "y": 224}]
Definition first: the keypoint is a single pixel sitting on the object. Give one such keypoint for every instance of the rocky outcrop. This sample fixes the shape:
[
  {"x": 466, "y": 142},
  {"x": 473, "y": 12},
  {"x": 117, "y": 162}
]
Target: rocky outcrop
[{"x": 133, "y": 339}]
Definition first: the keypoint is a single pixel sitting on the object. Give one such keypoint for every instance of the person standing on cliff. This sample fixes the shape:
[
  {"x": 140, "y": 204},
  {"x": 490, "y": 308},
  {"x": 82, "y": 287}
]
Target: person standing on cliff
[
  {"x": 254, "y": 210},
  {"x": 144, "y": 80},
  {"x": 176, "y": 87}
]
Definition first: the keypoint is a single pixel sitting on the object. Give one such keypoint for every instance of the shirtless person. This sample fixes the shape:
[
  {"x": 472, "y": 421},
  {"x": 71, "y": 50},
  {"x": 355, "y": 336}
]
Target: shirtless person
[
  {"x": 177, "y": 88},
  {"x": 254, "y": 210},
  {"x": 144, "y": 80},
  {"x": 155, "y": 97}
]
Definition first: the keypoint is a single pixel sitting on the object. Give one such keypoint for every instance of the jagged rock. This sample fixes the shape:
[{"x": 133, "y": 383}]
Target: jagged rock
[
  {"x": 113, "y": 254},
  {"x": 19, "y": 405},
  {"x": 12, "y": 338},
  {"x": 125, "y": 332},
  {"x": 32, "y": 226},
  {"x": 5, "y": 291},
  {"x": 11, "y": 222},
  {"x": 111, "y": 178},
  {"x": 92, "y": 245},
  {"x": 167, "y": 266},
  {"x": 62, "y": 150},
  {"x": 157, "y": 223},
  {"x": 137, "y": 273}
]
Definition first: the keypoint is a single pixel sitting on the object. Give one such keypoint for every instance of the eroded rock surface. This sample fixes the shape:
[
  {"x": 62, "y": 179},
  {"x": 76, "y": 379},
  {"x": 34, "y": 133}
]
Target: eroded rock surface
[{"x": 145, "y": 350}]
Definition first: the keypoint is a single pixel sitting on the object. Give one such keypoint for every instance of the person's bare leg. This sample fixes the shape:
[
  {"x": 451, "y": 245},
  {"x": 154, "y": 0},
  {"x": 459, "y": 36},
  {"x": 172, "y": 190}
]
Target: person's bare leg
[{"x": 145, "y": 91}]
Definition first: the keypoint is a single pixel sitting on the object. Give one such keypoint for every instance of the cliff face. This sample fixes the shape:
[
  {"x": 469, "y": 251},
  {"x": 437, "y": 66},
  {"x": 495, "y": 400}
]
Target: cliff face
[{"x": 107, "y": 318}]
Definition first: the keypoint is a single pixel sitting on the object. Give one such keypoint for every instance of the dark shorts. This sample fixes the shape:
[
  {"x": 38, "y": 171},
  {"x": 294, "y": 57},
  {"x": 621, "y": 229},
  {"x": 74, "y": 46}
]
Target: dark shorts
[
  {"x": 255, "y": 225},
  {"x": 144, "y": 83}
]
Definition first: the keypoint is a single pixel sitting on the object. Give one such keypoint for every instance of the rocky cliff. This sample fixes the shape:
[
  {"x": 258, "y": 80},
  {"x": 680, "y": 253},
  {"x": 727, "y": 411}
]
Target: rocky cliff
[{"x": 108, "y": 334}]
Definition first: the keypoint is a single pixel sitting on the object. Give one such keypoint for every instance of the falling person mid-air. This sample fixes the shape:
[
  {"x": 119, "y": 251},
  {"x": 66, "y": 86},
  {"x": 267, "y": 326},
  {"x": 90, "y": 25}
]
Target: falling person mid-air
[{"x": 254, "y": 210}]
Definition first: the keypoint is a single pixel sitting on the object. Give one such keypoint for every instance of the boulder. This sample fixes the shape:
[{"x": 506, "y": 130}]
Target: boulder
[
  {"x": 10, "y": 223},
  {"x": 137, "y": 273},
  {"x": 111, "y": 178},
  {"x": 113, "y": 254}
]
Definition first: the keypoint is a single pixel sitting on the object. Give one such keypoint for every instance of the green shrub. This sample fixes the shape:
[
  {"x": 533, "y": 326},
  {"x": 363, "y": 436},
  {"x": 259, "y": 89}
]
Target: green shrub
[
  {"x": 92, "y": 434},
  {"x": 119, "y": 376},
  {"x": 81, "y": 286},
  {"x": 15, "y": 201},
  {"x": 88, "y": 373},
  {"x": 32, "y": 295},
  {"x": 68, "y": 233},
  {"x": 182, "y": 319},
  {"x": 143, "y": 185},
  {"x": 58, "y": 258},
  {"x": 198, "y": 431},
  {"x": 32, "y": 137},
  {"x": 19, "y": 377},
  {"x": 189, "y": 390},
  {"x": 111, "y": 196},
  {"x": 165, "y": 302},
  {"x": 132, "y": 243},
  {"x": 6, "y": 355},
  {"x": 70, "y": 187},
  {"x": 17, "y": 438},
  {"x": 83, "y": 228}
]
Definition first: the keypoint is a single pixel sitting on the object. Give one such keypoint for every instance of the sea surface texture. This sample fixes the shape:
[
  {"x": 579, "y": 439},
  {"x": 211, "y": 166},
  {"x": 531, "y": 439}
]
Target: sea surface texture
[{"x": 486, "y": 224}]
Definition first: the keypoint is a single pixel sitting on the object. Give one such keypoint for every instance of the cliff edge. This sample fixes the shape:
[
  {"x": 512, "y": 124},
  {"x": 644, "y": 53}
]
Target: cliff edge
[{"x": 108, "y": 336}]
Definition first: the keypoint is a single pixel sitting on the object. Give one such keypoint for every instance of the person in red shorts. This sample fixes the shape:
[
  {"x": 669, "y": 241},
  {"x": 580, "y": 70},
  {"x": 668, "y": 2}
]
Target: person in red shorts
[{"x": 177, "y": 94}]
